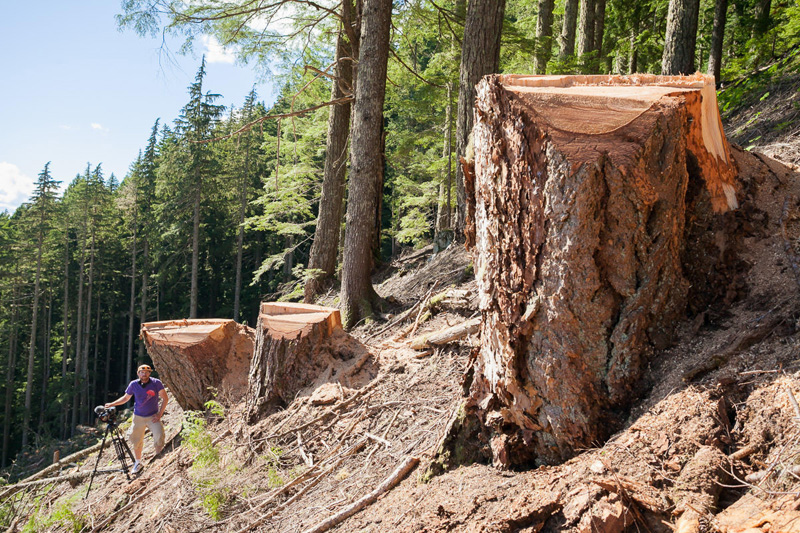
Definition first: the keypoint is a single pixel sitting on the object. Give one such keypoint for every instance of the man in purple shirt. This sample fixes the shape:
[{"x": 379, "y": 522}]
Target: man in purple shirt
[{"x": 146, "y": 392}]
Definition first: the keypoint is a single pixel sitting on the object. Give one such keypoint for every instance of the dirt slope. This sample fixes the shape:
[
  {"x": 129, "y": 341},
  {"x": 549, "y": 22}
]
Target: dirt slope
[{"x": 719, "y": 410}]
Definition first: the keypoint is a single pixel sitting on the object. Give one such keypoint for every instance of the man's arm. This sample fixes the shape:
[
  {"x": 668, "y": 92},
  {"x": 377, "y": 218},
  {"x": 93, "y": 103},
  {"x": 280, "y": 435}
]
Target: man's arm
[
  {"x": 121, "y": 400},
  {"x": 164, "y": 399}
]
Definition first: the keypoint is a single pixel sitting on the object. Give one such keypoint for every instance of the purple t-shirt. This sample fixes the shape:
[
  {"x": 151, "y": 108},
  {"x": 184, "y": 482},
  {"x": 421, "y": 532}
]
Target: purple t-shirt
[{"x": 145, "y": 397}]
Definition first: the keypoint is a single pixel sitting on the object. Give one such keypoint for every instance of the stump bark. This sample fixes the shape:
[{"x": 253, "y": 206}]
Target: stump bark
[
  {"x": 293, "y": 347},
  {"x": 199, "y": 358},
  {"x": 579, "y": 200}
]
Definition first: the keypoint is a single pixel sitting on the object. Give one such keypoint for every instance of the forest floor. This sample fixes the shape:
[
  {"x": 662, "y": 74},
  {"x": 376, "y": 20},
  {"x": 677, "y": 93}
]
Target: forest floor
[{"x": 713, "y": 446}]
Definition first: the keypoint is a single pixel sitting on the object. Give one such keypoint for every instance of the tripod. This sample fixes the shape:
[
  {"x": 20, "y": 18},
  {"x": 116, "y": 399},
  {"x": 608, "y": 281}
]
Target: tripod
[{"x": 120, "y": 447}]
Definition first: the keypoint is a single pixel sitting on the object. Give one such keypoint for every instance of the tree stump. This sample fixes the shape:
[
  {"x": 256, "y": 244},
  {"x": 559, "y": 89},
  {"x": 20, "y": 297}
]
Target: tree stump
[
  {"x": 579, "y": 200},
  {"x": 292, "y": 349},
  {"x": 198, "y": 357}
]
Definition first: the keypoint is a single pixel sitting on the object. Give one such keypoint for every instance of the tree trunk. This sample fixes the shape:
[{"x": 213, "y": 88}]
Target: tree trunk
[
  {"x": 599, "y": 27},
  {"x": 567, "y": 42},
  {"x": 681, "y": 37},
  {"x": 65, "y": 343},
  {"x": 444, "y": 206},
  {"x": 93, "y": 381},
  {"x": 86, "y": 412},
  {"x": 78, "y": 334},
  {"x": 240, "y": 233},
  {"x": 131, "y": 307},
  {"x": 544, "y": 36},
  {"x": 195, "y": 249},
  {"x": 717, "y": 38},
  {"x": 586, "y": 28},
  {"x": 289, "y": 351},
  {"x": 761, "y": 17},
  {"x": 578, "y": 243},
  {"x": 325, "y": 247},
  {"x": 32, "y": 345},
  {"x": 145, "y": 279},
  {"x": 633, "y": 59},
  {"x": 480, "y": 55},
  {"x": 366, "y": 168},
  {"x": 47, "y": 358},
  {"x": 107, "y": 369},
  {"x": 197, "y": 357},
  {"x": 10, "y": 376}
]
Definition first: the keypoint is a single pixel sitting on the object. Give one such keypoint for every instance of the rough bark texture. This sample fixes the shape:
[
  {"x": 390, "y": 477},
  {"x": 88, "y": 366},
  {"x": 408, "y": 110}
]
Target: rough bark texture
[
  {"x": 480, "y": 55},
  {"x": 681, "y": 37},
  {"x": 366, "y": 162},
  {"x": 717, "y": 38},
  {"x": 197, "y": 357},
  {"x": 586, "y": 27},
  {"x": 544, "y": 36},
  {"x": 567, "y": 41},
  {"x": 579, "y": 233},
  {"x": 599, "y": 27},
  {"x": 325, "y": 248},
  {"x": 293, "y": 345}
]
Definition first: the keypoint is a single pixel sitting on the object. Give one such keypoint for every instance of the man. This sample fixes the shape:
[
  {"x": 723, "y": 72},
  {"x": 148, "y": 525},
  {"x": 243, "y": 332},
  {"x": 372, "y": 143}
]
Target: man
[{"x": 146, "y": 412}]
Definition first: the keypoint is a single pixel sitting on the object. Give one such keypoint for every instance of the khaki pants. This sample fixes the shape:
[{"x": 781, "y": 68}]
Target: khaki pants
[{"x": 136, "y": 434}]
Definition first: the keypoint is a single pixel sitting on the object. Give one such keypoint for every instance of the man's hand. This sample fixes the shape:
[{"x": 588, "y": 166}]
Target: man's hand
[
  {"x": 107, "y": 405},
  {"x": 157, "y": 417}
]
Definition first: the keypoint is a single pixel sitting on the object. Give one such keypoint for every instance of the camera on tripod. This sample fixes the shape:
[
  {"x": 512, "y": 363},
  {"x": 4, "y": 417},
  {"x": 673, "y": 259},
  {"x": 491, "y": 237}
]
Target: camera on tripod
[{"x": 106, "y": 414}]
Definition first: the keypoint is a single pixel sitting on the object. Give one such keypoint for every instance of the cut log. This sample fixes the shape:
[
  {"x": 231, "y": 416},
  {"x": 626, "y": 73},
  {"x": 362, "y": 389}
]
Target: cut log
[
  {"x": 200, "y": 357},
  {"x": 579, "y": 201},
  {"x": 295, "y": 343},
  {"x": 446, "y": 335}
]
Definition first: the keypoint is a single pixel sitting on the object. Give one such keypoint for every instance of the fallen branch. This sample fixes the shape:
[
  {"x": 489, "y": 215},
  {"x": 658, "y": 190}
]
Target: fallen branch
[
  {"x": 261, "y": 519},
  {"x": 74, "y": 458},
  {"x": 400, "y": 472},
  {"x": 444, "y": 336},
  {"x": 13, "y": 489}
]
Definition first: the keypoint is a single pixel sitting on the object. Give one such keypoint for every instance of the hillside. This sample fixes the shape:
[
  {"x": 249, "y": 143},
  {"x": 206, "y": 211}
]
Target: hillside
[{"x": 712, "y": 446}]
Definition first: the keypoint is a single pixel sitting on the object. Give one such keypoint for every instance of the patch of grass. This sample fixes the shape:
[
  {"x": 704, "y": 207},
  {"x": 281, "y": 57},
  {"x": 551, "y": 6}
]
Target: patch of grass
[
  {"x": 206, "y": 472},
  {"x": 62, "y": 517}
]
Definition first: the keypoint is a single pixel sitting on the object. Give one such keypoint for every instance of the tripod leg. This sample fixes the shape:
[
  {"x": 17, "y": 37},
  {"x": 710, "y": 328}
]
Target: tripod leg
[
  {"x": 125, "y": 445},
  {"x": 99, "y": 453}
]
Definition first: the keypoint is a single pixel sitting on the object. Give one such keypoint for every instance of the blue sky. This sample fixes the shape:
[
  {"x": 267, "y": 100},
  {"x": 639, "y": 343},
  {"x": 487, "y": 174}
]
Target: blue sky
[{"x": 73, "y": 89}]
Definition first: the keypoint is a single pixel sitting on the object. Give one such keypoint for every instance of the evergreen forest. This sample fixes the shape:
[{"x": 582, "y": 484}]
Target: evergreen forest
[{"x": 304, "y": 197}]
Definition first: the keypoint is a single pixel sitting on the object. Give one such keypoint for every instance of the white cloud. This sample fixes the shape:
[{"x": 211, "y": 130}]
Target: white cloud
[
  {"x": 65, "y": 127},
  {"x": 15, "y": 187},
  {"x": 215, "y": 52},
  {"x": 99, "y": 127}
]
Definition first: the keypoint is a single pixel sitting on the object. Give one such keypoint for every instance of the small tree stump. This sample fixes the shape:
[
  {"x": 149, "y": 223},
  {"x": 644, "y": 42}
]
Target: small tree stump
[
  {"x": 579, "y": 201},
  {"x": 292, "y": 349},
  {"x": 195, "y": 357}
]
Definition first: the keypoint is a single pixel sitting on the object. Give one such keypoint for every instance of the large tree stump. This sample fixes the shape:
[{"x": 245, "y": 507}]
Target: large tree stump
[
  {"x": 579, "y": 201},
  {"x": 199, "y": 358},
  {"x": 293, "y": 347}
]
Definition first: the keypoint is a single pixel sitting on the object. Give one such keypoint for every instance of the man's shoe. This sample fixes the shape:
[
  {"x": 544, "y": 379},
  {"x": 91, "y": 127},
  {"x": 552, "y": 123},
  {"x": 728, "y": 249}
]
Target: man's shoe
[{"x": 137, "y": 466}]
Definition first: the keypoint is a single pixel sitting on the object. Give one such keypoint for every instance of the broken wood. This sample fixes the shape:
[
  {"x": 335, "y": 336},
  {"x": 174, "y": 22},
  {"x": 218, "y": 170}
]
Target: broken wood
[
  {"x": 197, "y": 358},
  {"x": 580, "y": 202},
  {"x": 408, "y": 464},
  {"x": 294, "y": 344},
  {"x": 446, "y": 335}
]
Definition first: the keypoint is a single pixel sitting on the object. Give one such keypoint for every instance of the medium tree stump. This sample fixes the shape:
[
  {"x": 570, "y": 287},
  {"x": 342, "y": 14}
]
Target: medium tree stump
[
  {"x": 580, "y": 193},
  {"x": 198, "y": 357},
  {"x": 292, "y": 349}
]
